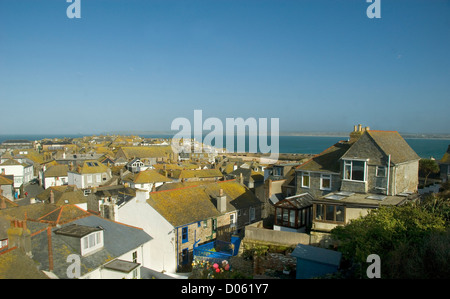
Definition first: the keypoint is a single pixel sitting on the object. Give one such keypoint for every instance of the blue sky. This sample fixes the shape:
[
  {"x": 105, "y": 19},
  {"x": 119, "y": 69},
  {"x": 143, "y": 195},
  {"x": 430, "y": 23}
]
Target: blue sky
[{"x": 138, "y": 65}]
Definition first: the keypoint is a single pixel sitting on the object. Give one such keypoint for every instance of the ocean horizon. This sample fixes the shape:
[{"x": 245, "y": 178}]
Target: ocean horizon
[{"x": 424, "y": 147}]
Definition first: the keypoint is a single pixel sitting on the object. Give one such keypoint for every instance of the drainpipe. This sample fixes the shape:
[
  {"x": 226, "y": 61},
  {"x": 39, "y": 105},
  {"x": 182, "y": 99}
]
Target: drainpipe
[{"x": 389, "y": 169}]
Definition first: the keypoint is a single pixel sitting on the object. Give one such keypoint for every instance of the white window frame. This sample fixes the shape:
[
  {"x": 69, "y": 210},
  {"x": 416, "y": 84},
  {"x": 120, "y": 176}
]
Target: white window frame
[
  {"x": 306, "y": 174},
  {"x": 322, "y": 177},
  {"x": 89, "y": 178},
  {"x": 349, "y": 162},
  {"x": 98, "y": 178},
  {"x": 384, "y": 171},
  {"x": 91, "y": 242}
]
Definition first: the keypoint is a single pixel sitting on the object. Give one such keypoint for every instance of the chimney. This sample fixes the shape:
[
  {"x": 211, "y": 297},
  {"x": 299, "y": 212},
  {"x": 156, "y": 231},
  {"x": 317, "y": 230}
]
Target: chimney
[
  {"x": 19, "y": 236},
  {"x": 52, "y": 197},
  {"x": 221, "y": 202},
  {"x": 50, "y": 248},
  {"x": 241, "y": 179},
  {"x": 357, "y": 132}
]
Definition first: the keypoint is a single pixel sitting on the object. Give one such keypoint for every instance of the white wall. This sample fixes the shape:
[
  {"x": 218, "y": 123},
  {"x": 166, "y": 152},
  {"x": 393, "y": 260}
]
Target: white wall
[
  {"x": 53, "y": 181},
  {"x": 75, "y": 179},
  {"x": 161, "y": 252},
  {"x": 21, "y": 174}
]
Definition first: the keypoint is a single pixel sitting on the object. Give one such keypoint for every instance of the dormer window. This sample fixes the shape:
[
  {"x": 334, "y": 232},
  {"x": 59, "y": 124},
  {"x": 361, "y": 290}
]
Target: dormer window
[
  {"x": 84, "y": 239},
  {"x": 355, "y": 170},
  {"x": 92, "y": 242}
]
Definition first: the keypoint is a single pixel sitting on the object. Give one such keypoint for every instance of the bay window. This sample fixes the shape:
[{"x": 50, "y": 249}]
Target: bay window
[{"x": 355, "y": 170}]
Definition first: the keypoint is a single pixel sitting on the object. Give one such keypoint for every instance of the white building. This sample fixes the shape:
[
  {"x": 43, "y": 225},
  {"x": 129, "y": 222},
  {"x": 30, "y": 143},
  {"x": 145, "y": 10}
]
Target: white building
[
  {"x": 90, "y": 174},
  {"x": 22, "y": 172},
  {"x": 55, "y": 175}
]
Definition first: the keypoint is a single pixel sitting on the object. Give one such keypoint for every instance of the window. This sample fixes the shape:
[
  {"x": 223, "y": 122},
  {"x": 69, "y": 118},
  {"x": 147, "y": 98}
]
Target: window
[
  {"x": 214, "y": 225},
  {"x": 134, "y": 256},
  {"x": 98, "y": 178},
  {"x": 330, "y": 213},
  {"x": 184, "y": 235},
  {"x": 354, "y": 170},
  {"x": 305, "y": 179},
  {"x": 278, "y": 212},
  {"x": 92, "y": 242},
  {"x": 252, "y": 213},
  {"x": 185, "y": 256},
  {"x": 381, "y": 171},
  {"x": 277, "y": 171},
  {"x": 89, "y": 178},
  {"x": 340, "y": 213},
  {"x": 325, "y": 181},
  {"x": 319, "y": 212},
  {"x": 292, "y": 218}
]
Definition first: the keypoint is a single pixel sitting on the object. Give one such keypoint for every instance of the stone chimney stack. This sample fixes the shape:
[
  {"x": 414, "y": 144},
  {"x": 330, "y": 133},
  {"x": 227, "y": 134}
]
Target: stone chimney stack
[
  {"x": 357, "y": 132},
  {"x": 221, "y": 202},
  {"x": 19, "y": 236}
]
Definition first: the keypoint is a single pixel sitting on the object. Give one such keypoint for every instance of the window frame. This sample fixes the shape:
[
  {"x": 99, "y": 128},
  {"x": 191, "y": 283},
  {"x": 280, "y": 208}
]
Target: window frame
[
  {"x": 305, "y": 174},
  {"x": 184, "y": 234},
  {"x": 324, "y": 213},
  {"x": 349, "y": 163},
  {"x": 91, "y": 242},
  {"x": 377, "y": 174},
  {"x": 322, "y": 177}
]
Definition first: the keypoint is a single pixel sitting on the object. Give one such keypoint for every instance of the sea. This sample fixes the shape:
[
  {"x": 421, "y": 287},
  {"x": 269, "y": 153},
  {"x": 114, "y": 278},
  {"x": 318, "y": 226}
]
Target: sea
[{"x": 424, "y": 147}]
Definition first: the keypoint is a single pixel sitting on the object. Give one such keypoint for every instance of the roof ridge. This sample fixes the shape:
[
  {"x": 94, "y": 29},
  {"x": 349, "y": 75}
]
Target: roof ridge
[{"x": 316, "y": 155}]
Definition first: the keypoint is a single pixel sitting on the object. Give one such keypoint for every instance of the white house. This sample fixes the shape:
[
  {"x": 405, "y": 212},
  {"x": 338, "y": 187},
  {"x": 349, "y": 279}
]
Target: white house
[
  {"x": 22, "y": 172},
  {"x": 146, "y": 180},
  {"x": 162, "y": 251},
  {"x": 90, "y": 174},
  {"x": 55, "y": 175}
]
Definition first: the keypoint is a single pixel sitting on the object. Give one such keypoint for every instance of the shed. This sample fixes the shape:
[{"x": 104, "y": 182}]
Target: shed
[{"x": 315, "y": 261}]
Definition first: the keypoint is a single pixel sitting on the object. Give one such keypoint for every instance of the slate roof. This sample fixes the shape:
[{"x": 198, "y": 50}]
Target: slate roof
[
  {"x": 63, "y": 214},
  {"x": 5, "y": 181},
  {"x": 328, "y": 160},
  {"x": 145, "y": 151},
  {"x": 92, "y": 166},
  {"x": 66, "y": 194},
  {"x": 147, "y": 176},
  {"x": 56, "y": 171},
  {"x": 15, "y": 264},
  {"x": 200, "y": 173},
  {"x": 387, "y": 143},
  {"x": 8, "y": 203},
  {"x": 130, "y": 238},
  {"x": 317, "y": 254},
  {"x": 183, "y": 206},
  {"x": 195, "y": 203}
]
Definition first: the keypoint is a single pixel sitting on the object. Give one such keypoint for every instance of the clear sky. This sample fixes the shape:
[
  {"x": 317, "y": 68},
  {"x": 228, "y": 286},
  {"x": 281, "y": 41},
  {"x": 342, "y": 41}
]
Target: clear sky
[{"x": 137, "y": 65}]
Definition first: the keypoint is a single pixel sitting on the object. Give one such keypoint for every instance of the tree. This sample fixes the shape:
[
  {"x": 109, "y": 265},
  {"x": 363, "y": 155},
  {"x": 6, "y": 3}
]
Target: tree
[
  {"x": 427, "y": 167},
  {"x": 387, "y": 232}
]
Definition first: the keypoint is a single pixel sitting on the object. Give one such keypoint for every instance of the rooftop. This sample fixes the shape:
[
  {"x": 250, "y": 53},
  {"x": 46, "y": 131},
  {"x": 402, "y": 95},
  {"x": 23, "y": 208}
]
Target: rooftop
[{"x": 75, "y": 230}]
